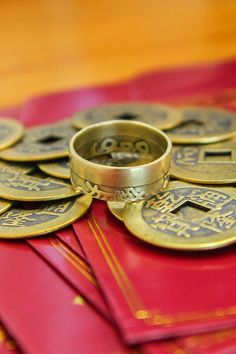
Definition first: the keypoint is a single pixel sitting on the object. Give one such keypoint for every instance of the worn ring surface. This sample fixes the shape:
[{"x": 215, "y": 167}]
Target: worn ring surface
[{"x": 120, "y": 183}]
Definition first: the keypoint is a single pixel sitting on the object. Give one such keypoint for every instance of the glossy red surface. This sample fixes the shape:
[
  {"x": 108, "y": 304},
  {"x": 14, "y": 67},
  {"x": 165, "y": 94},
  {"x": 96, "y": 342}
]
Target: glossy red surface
[
  {"x": 42, "y": 310},
  {"x": 68, "y": 236},
  {"x": 154, "y": 293},
  {"x": 72, "y": 267}
]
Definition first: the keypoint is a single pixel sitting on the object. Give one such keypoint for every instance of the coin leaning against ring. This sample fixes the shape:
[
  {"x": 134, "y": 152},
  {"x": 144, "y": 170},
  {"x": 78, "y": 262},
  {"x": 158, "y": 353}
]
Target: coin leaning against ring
[{"x": 185, "y": 217}]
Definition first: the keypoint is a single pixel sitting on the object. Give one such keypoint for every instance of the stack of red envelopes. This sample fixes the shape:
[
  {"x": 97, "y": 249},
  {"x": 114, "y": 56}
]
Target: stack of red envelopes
[{"x": 95, "y": 289}]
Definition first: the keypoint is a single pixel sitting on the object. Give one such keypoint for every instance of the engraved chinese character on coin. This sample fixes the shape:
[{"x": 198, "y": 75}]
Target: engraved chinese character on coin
[
  {"x": 22, "y": 187},
  {"x": 43, "y": 219},
  {"x": 16, "y": 168}
]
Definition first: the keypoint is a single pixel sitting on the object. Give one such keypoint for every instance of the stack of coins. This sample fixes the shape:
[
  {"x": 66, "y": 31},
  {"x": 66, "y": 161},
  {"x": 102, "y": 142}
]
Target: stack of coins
[
  {"x": 34, "y": 202},
  {"x": 196, "y": 211}
]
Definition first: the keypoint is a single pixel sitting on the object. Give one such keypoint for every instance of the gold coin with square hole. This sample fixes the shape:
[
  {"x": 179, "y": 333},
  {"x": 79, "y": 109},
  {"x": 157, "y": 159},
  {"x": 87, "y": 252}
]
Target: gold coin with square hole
[
  {"x": 59, "y": 168},
  {"x": 45, "y": 142},
  {"x": 42, "y": 219},
  {"x": 207, "y": 164},
  {"x": 203, "y": 126},
  {"x": 158, "y": 115},
  {"x": 185, "y": 217},
  {"x": 10, "y": 132}
]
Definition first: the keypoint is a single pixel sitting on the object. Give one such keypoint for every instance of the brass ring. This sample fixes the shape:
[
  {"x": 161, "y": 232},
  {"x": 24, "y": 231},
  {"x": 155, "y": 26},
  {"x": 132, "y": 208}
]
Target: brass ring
[{"x": 123, "y": 183}]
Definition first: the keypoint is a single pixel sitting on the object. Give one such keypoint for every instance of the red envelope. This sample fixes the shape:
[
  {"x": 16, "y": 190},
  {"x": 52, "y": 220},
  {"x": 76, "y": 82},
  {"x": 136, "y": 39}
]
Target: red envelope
[
  {"x": 68, "y": 236},
  {"x": 155, "y": 293},
  {"x": 72, "y": 267},
  {"x": 44, "y": 314},
  {"x": 217, "y": 341},
  {"x": 220, "y": 342}
]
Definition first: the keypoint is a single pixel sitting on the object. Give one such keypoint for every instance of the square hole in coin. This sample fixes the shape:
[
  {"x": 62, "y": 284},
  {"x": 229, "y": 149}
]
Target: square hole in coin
[
  {"x": 49, "y": 139},
  {"x": 127, "y": 116},
  {"x": 218, "y": 156},
  {"x": 190, "y": 211}
]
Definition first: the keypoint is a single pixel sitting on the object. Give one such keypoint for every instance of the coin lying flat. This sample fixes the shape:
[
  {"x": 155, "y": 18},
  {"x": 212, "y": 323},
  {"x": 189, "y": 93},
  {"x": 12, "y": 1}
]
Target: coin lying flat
[
  {"x": 16, "y": 168},
  {"x": 116, "y": 208},
  {"x": 44, "y": 219},
  {"x": 44, "y": 142},
  {"x": 185, "y": 217},
  {"x": 160, "y": 116},
  {"x": 60, "y": 168},
  {"x": 21, "y": 187},
  {"x": 10, "y": 132},
  {"x": 203, "y": 125},
  {"x": 210, "y": 164}
]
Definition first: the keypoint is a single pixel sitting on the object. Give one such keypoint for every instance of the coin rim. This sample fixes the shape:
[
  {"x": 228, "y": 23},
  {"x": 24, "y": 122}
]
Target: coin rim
[
  {"x": 118, "y": 213},
  {"x": 136, "y": 225},
  {"x": 190, "y": 176},
  {"x": 18, "y": 133},
  {"x": 49, "y": 168},
  {"x": 171, "y": 123},
  {"x": 14, "y": 194},
  {"x": 207, "y": 139}
]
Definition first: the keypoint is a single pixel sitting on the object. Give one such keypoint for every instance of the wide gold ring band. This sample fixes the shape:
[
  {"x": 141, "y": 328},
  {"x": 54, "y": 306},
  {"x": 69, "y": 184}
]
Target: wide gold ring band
[{"x": 125, "y": 184}]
